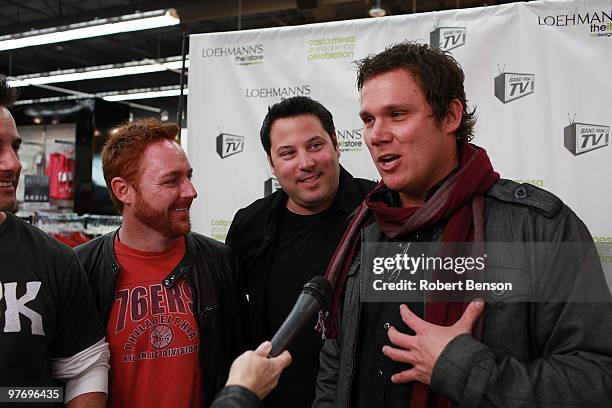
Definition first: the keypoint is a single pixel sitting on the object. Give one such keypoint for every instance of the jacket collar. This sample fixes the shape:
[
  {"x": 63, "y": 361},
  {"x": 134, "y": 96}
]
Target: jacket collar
[{"x": 348, "y": 197}]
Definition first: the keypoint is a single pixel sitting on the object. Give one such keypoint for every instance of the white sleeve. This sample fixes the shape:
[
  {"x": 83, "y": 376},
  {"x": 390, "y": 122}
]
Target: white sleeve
[{"x": 86, "y": 371}]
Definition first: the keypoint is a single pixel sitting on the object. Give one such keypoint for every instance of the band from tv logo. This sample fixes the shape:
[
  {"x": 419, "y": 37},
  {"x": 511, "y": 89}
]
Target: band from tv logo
[
  {"x": 583, "y": 137},
  {"x": 270, "y": 186},
  {"x": 512, "y": 86},
  {"x": 229, "y": 145},
  {"x": 447, "y": 38}
]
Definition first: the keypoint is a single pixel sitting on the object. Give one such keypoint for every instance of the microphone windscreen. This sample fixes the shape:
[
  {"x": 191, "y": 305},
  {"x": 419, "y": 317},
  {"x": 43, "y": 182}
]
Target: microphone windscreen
[{"x": 320, "y": 288}]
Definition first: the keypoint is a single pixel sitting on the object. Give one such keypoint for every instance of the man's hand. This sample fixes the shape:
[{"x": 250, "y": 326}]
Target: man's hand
[
  {"x": 255, "y": 371},
  {"x": 423, "y": 349}
]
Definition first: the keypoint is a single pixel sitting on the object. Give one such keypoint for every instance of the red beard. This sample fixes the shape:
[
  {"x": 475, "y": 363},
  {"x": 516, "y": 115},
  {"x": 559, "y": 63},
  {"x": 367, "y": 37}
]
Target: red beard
[{"x": 162, "y": 220}]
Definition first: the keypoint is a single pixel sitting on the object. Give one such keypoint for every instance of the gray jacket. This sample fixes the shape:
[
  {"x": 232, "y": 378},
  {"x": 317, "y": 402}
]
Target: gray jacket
[{"x": 545, "y": 354}]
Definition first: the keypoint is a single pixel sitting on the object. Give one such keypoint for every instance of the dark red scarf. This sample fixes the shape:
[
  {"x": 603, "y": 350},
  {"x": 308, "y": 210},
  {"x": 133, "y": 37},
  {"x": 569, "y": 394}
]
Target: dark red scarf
[{"x": 459, "y": 202}]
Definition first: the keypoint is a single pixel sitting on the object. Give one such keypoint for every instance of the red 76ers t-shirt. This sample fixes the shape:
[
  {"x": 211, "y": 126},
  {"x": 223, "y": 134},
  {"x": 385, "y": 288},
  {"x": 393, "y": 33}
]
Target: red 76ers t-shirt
[{"x": 153, "y": 336}]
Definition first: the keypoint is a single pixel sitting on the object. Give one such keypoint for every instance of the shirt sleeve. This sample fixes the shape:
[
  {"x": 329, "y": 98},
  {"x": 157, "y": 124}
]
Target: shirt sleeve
[
  {"x": 86, "y": 371},
  {"x": 78, "y": 321},
  {"x": 571, "y": 351}
]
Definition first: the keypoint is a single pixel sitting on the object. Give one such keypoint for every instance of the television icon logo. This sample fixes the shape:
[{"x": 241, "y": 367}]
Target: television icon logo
[
  {"x": 228, "y": 145},
  {"x": 270, "y": 186},
  {"x": 582, "y": 137},
  {"x": 511, "y": 86},
  {"x": 447, "y": 38}
]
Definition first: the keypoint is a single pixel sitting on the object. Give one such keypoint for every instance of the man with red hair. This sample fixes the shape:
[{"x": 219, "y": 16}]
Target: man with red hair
[{"x": 169, "y": 297}]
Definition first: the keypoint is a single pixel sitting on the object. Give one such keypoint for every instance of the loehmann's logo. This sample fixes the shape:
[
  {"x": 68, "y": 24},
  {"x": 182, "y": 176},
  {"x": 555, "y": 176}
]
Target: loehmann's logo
[
  {"x": 17, "y": 306},
  {"x": 228, "y": 145},
  {"x": 270, "y": 186},
  {"x": 563, "y": 20},
  {"x": 350, "y": 140},
  {"x": 511, "y": 86},
  {"x": 583, "y": 137},
  {"x": 599, "y": 22},
  {"x": 447, "y": 38},
  {"x": 242, "y": 54},
  {"x": 283, "y": 92}
]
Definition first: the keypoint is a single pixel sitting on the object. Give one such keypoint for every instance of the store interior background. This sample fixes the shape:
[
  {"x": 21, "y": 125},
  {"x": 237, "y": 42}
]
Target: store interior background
[{"x": 65, "y": 124}]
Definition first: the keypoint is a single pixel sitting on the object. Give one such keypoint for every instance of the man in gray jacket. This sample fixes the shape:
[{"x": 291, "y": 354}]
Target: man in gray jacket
[{"x": 439, "y": 188}]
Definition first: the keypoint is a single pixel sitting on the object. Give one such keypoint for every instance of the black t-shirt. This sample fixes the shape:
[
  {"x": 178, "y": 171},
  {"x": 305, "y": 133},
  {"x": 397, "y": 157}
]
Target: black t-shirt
[
  {"x": 302, "y": 250},
  {"x": 46, "y": 306}
]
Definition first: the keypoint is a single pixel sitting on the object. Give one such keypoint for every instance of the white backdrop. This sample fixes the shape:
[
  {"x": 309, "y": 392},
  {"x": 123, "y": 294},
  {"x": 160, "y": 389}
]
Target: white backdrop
[{"x": 532, "y": 70}]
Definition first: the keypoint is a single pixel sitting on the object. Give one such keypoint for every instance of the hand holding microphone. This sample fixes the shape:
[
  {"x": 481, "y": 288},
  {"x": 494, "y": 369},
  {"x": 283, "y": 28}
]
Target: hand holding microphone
[
  {"x": 256, "y": 372},
  {"x": 259, "y": 374}
]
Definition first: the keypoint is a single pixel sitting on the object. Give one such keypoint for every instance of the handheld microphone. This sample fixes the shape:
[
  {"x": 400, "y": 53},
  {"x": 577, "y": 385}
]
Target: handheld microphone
[{"x": 314, "y": 297}]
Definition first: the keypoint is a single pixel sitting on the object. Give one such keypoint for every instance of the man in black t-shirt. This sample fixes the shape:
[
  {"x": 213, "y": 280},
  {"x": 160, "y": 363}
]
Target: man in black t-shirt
[
  {"x": 286, "y": 238},
  {"x": 49, "y": 327}
]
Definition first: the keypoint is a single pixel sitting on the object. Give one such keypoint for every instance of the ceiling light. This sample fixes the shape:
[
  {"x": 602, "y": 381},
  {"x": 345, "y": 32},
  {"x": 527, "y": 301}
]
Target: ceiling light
[
  {"x": 102, "y": 71},
  {"x": 48, "y": 99},
  {"x": 88, "y": 29},
  {"x": 377, "y": 10},
  {"x": 147, "y": 93},
  {"x": 114, "y": 96}
]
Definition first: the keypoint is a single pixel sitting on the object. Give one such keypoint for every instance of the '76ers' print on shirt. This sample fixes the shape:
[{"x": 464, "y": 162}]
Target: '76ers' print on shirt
[{"x": 155, "y": 322}]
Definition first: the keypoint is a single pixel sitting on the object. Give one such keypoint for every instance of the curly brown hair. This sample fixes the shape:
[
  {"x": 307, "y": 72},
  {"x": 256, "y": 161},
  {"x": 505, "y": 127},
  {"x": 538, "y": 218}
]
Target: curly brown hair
[
  {"x": 124, "y": 150},
  {"x": 437, "y": 73}
]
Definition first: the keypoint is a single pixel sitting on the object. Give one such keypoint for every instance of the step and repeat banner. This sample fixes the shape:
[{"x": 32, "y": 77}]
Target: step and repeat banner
[{"x": 538, "y": 74}]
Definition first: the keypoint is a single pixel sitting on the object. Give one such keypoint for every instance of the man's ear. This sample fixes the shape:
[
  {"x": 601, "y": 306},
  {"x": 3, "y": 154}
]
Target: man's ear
[
  {"x": 452, "y": 121},
  {"x": 271, "y": 164},
  {"x": 122, "y": 190}
]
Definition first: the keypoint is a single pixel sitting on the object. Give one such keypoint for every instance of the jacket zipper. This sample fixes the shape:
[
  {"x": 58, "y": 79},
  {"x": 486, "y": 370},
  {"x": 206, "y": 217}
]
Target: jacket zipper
[{"x": 115, "y": 268}]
